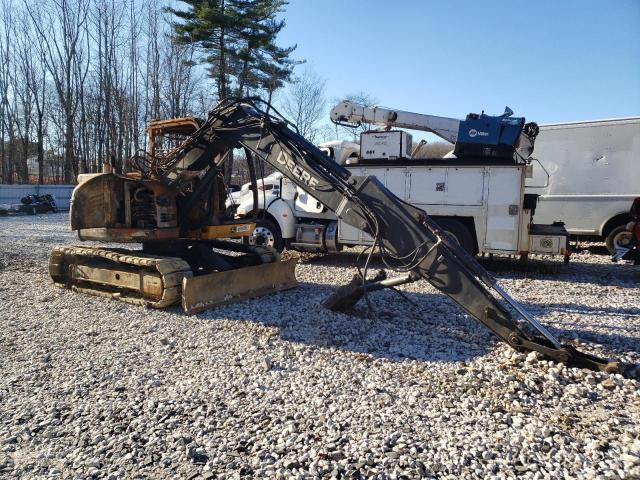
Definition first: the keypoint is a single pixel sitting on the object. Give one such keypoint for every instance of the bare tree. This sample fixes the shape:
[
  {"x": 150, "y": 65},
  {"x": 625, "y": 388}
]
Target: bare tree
[
  {"x": 81, "y": 79},
  {"x": 33, "y": 69},
  {"x": 23, "y": 96},
  {"x": 153, "y": 62},
  {"x": 305, "y": 104},
  {"x": 62, "y": 27},
  {"x": 6, "y": 65},
  {"x": 178, "y": 68}
]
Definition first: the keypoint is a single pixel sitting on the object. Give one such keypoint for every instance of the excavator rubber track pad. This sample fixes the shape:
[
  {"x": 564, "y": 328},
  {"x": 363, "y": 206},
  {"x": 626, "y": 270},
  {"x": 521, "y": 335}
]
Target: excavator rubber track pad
[
  {"x": 220, "y": 288},
  {"x": 124, "y": 275}
]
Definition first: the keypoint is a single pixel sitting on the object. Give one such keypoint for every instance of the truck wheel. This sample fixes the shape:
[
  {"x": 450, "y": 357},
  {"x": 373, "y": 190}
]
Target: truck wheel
[
  {"x": 459, "y": 232},
  {"x": 266, "y": 233},
  {"x": 618, "y": 237}
]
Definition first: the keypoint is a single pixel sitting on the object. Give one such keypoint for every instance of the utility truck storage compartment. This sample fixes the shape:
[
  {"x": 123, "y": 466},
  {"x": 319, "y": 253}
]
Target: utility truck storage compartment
[
  {"x": 446, "y": 185},
  {"x": 381, "y": 144},
  {"x": 552, "y": 239},
  {"x": 487, "y": 200}
]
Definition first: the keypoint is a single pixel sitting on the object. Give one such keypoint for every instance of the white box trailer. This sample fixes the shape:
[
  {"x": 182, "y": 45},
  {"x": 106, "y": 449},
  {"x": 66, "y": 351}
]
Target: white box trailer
[{"x": 594, "y": 175}]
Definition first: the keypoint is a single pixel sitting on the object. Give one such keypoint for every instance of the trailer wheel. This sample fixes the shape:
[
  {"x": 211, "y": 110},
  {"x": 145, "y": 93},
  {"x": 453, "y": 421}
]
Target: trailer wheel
[
  {"x": 267, "y": 233},
  {"x": 618, "y": 237},
  {"x": 459, "y": 232}
]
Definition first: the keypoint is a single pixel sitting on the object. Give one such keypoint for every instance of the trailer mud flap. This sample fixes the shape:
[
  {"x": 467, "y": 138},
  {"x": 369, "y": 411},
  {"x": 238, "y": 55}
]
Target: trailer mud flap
[{"x": 220, "y": 288}]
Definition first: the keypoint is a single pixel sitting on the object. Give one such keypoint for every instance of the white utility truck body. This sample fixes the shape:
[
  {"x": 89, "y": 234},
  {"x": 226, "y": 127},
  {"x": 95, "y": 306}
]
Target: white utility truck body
[
  {"x": 480, "y": 201},
  {"x": 488, "y": 199},
  {"x": 594, "y": 174}
]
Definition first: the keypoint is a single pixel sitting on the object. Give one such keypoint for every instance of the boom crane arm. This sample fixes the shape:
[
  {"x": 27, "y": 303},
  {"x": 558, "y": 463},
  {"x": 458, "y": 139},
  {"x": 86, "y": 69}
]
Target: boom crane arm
[
  {"x": 407, "y": 239},
  {"x": 478, "y": 134},
  {"x": 349, "y": 113}
]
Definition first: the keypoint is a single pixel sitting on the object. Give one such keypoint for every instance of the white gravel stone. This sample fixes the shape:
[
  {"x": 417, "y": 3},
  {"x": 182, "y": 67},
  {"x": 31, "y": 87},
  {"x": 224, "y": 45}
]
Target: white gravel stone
[{"x": 280, "y": 387}]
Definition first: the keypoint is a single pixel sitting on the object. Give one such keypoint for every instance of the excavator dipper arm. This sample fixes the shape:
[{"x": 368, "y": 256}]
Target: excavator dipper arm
[{"x": 407, "y": 239}]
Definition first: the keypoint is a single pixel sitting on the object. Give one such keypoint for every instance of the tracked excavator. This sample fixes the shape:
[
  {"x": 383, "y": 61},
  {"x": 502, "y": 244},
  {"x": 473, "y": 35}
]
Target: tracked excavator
[{"x": 172, "y": 204}]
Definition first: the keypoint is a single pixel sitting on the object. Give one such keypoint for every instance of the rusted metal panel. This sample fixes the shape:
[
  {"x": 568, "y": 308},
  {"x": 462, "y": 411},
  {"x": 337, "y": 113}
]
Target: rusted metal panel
[
  {"x": 128, "y": 235},
  {"x": 146, "y": 283},
  {"x": 95, "y": 202},
  {"x": 106, "y": 276},
  {"x": 116, "y": 201},
  {"x": 207, "y": 291},
  {"x": 180, "y": 126}
]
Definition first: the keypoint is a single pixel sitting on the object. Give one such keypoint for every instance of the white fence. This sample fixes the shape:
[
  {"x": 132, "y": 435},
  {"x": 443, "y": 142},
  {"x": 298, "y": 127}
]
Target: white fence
[{"x": 13, "y": 193}]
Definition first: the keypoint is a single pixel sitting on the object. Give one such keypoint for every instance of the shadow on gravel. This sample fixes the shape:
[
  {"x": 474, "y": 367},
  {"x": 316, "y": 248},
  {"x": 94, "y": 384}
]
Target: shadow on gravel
[
  {"x": 430, "y": 328},
  {"x": 20, "y": 262},
  {"x": 632, "y": 313},
  {"x": 595, "y": 249},
  {"x": 427, "y": 327},
  {"x": 610, "y": 341},
  {"x": 626, "y": 334}
]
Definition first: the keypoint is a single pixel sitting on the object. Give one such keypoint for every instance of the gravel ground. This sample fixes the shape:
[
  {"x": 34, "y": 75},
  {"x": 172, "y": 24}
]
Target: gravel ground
[{"x": 280, "y": 387}]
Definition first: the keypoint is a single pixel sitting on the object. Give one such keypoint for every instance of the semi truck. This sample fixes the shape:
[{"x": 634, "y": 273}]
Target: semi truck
[
  {"x": 591, "y": 177},
  {"x": 476, "y": 194}
]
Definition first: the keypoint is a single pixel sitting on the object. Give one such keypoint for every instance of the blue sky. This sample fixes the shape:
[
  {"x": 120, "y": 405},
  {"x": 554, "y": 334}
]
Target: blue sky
[{"x": 550, "y": 61}]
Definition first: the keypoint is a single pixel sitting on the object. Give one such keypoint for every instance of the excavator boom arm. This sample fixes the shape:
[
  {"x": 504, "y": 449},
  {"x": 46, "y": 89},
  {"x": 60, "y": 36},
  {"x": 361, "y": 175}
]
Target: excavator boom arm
[{"x": 408, "y": 240}]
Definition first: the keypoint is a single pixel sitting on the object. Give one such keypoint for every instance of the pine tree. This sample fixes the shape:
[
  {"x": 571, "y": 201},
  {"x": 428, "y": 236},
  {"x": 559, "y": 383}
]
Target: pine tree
[{"x": 238, "y": 40}]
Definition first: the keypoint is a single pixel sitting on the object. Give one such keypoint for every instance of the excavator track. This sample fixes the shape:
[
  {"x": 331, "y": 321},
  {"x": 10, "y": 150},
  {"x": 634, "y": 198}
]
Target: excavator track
[
  {"x": 136, "y": 278},
  {"x": 159, "y": 281}
]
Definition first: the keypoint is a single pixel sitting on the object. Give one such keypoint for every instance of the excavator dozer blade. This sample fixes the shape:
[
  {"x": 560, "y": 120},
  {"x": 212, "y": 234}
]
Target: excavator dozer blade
[{"x": 220, "y": 288}]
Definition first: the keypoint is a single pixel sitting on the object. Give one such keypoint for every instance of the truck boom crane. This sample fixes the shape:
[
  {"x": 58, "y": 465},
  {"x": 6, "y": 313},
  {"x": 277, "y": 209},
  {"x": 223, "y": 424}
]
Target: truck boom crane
[
  {"x": 348, "y": 112},
  {"x": 406, "y": 238},
  {"x": 478, "y": 134}
]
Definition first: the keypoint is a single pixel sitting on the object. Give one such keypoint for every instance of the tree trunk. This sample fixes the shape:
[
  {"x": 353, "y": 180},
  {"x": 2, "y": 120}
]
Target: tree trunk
[
  {"x": 222, "y": 64},
  {"x": 3, "y": 159},
  {"x": 69, "y": 170},
  {"x": 10, "y": 160},
  {"x": 40, "y": 150}
]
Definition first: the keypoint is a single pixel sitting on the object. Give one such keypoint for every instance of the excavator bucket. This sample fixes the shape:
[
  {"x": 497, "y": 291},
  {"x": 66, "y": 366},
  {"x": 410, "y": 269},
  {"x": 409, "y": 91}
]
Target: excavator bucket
[{"x": 220, "y": 288}]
